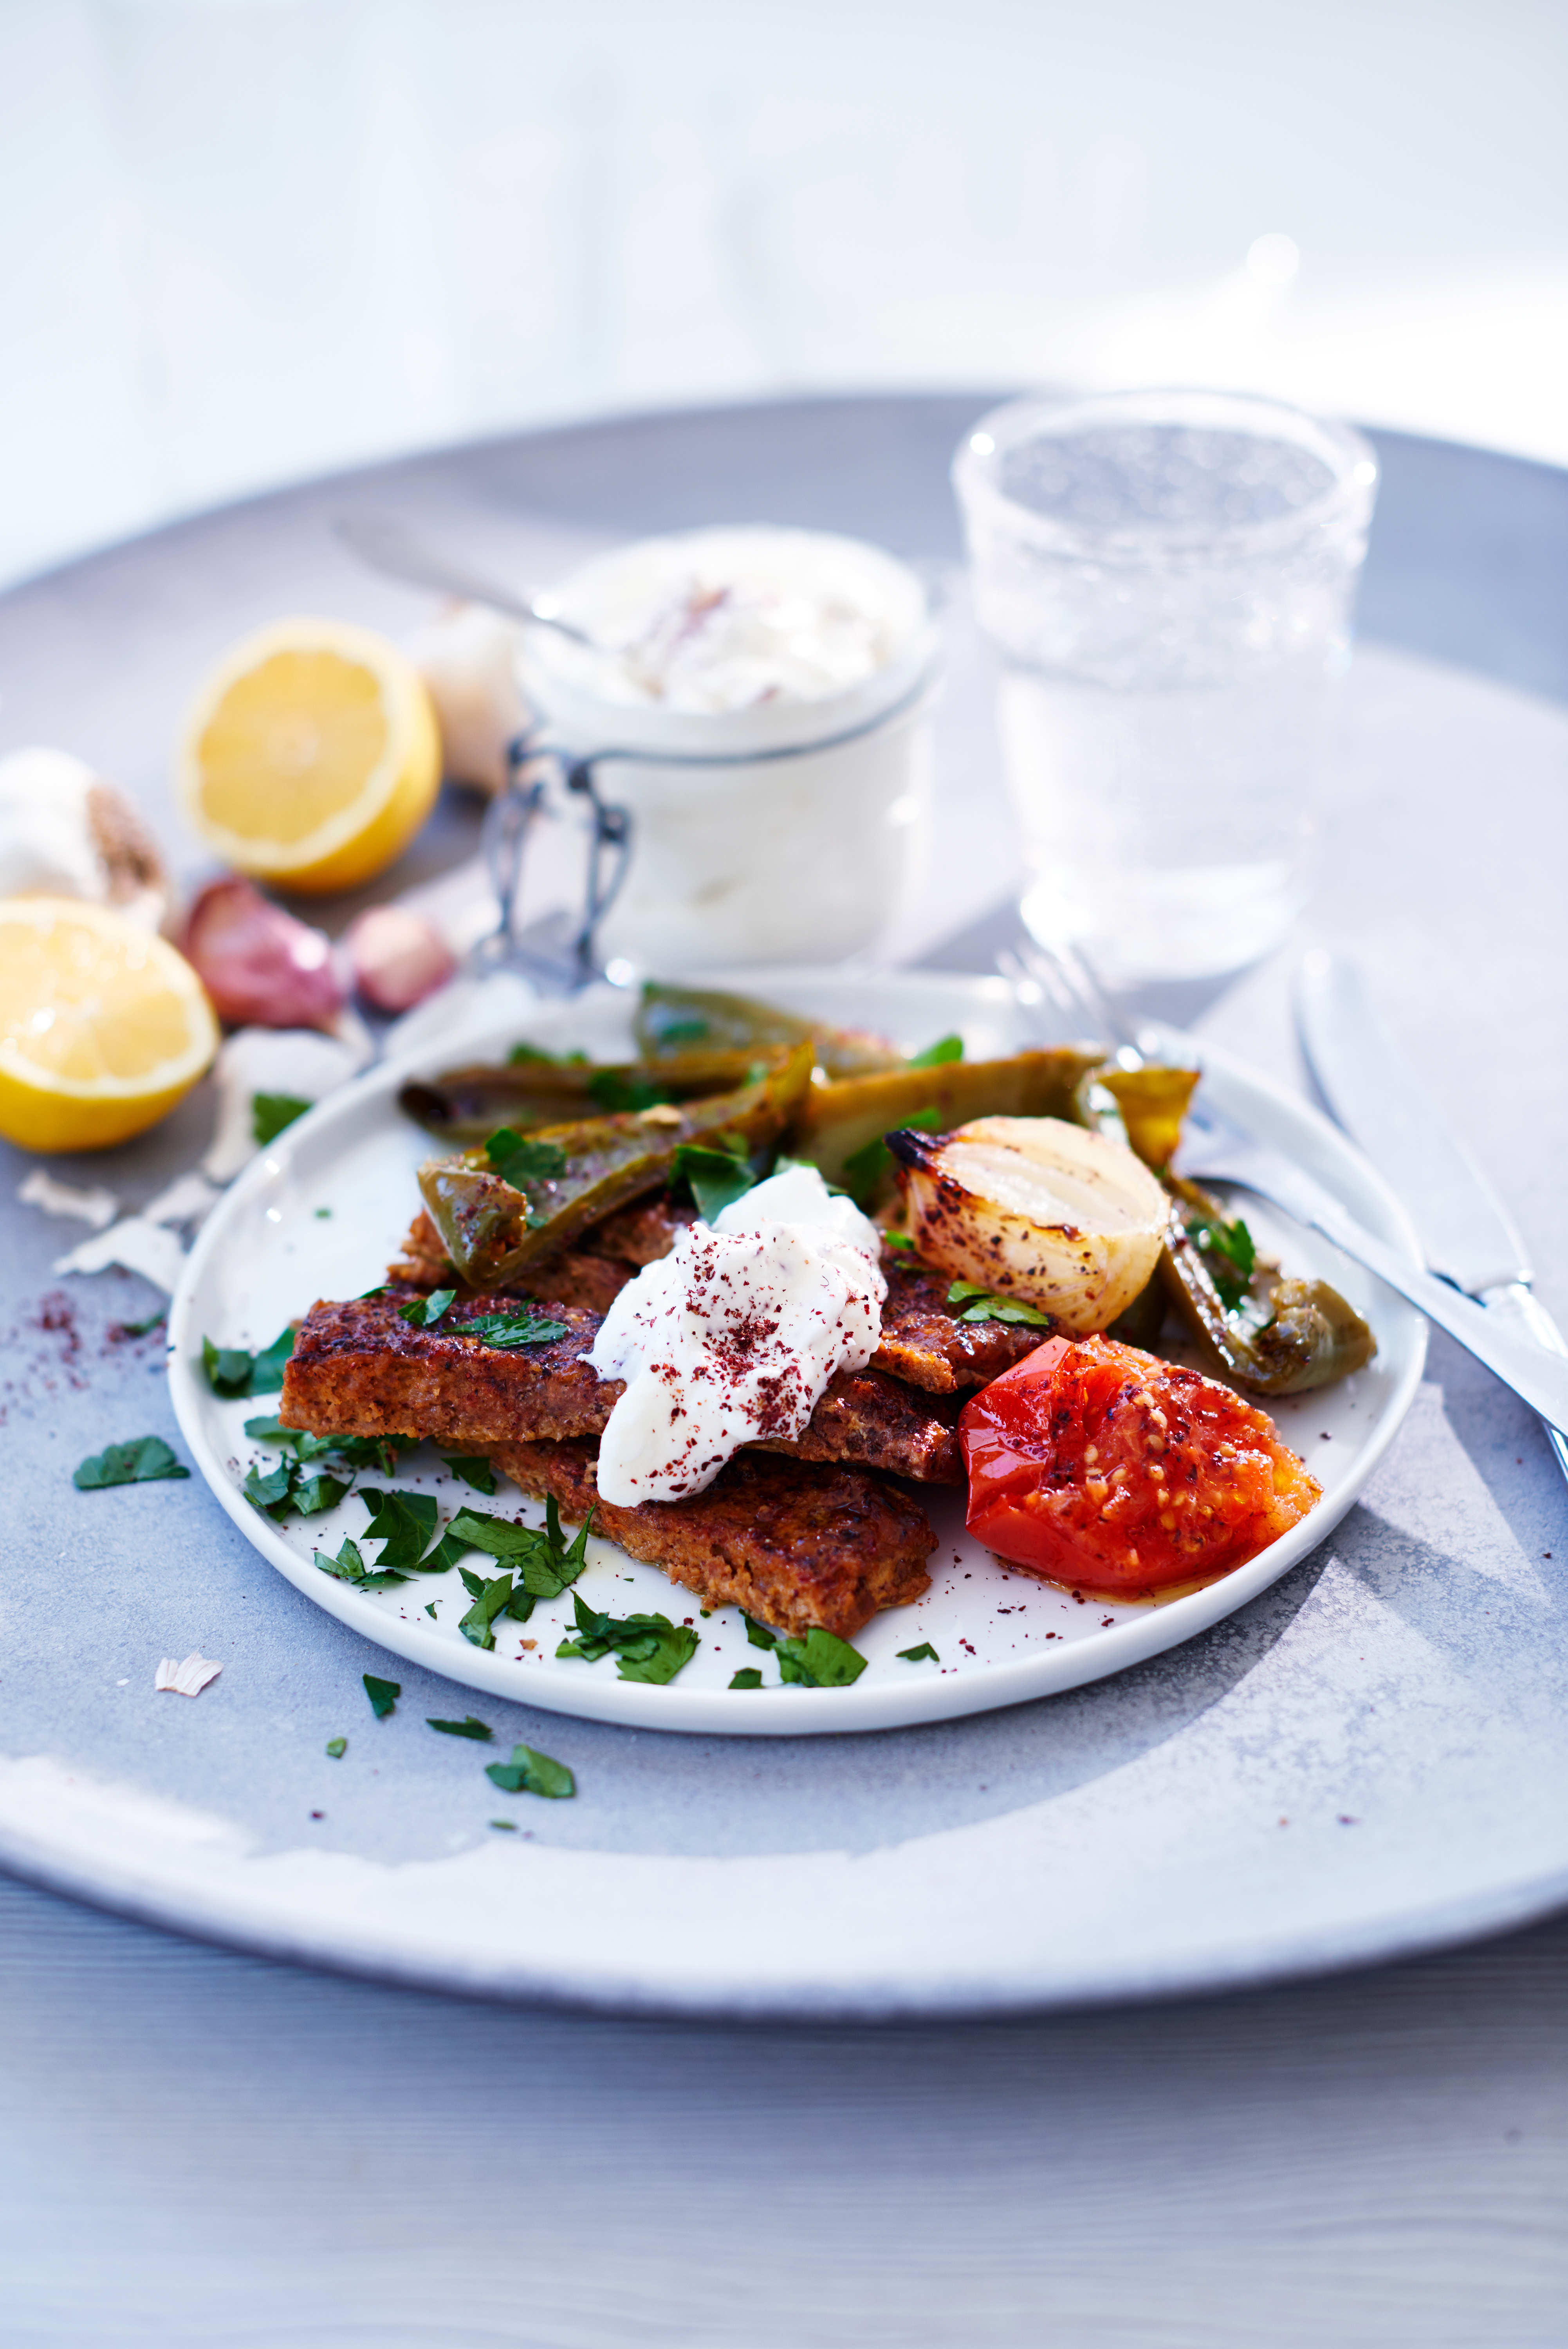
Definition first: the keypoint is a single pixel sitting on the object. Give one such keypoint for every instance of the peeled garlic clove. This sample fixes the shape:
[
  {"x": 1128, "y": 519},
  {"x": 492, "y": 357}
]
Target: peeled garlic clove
[
  {"x": 398, "y": 957},
  {"x": 468, "y": 659},
  {"x": 66, "y": 833},
  {"x": 1034, "y": 1208},
  {"x": 260, "y": 967}
]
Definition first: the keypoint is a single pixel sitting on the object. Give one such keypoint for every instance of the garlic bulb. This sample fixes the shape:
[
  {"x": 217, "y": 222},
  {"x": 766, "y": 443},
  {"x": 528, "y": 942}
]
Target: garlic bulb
[
  {"x": 1035, "y": 1209},
  {"x": 468, "y": 659},
  {"x": 65, "y": 833}
]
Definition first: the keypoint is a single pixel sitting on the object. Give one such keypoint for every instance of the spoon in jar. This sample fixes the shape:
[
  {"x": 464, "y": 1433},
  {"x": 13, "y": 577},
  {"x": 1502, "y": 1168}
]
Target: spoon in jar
[{"x": 388, "y": 547}]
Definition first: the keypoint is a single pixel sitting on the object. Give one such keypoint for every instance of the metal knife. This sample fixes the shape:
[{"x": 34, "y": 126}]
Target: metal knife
[{"x": 1467, "y": 1235}]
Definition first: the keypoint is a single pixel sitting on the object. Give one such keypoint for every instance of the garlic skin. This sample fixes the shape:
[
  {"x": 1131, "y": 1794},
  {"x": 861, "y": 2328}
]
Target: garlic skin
[
  {"x": 468, "y": 659},
  {"x": 66, "y": 833},
  {"x": 396, "y": 958},
  {"x": 260, "y": 967},
  {"x": 1036, "y": 1209}
]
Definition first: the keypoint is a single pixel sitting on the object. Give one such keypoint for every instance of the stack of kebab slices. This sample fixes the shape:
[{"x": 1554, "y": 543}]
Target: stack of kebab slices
[{"x": 575, "y": 1178}]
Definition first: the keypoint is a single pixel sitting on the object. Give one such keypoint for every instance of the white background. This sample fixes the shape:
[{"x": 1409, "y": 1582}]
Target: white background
[{"x": 245, "y": 240}]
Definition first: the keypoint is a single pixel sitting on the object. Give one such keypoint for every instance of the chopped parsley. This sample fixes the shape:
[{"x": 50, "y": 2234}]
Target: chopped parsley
[
  {"x": 520, "y": 1162},
  {"x": 513, "y": 1329},
  {"x": 271, "y": 1112},
  {"x": 646, "y": 1647},
  {"x": 981, "y": 1304},
  {"x": 537, "y": 1555},
  {"x": 924, "y": 1654},
  {"x": 403, "y": 1523},
  {"x": 237, "y": 1375},
  {"x": 146, "y": 1460},
  {"x": 490, "y": 1598},
  {"x": 467, "y": 1727},
  {"x": 747, "y": 1678},
  {"x": 613, "y": 1091},
  {"x": 820, "y": 1661},
  {"x": 383, "y": 1694},
  {"x": 864, "y": 1167},
  {"x": 349, "y": 1567},
  {"x": 530, "y": 1772},
  {"x": 758, "y": 1633},
  {"x": 717, "y": 1178},
  {"x": 343, "y": 1451},
  {"x": 479, "y": 1474},
  {"x": 338, "y": 1747},
  {"x": 938, "y": 1055},
  {"x": 294, "y": 1489},
  {"x": 144, "y": 1328},
  {"x": 424, "y": 1313},
  {"x": 1228, "y": 1252},
  {"x": 521, "y": 1052},
  {"x": 510, "y": 1825},
  {"x": 898, "y": 1241}
]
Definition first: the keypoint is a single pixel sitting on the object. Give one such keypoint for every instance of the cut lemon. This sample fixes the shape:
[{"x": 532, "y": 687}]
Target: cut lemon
[
  {"x": 103, "y": 1027},
  {"x": 311, "y": 756}
]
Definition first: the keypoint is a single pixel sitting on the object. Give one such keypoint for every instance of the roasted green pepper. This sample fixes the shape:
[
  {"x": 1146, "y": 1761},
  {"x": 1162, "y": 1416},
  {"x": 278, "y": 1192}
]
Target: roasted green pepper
[
  {"x": 564, "y": 1178},
  {"x": 467, "y": 1105},
  {"x": 840, "y": 1123},
  {"x": 1276, "y": 1336},
  {"x": 675, "y": 1020}
]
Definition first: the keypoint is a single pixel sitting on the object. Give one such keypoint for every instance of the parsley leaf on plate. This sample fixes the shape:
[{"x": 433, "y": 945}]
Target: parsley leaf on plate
[
  {"x": 1228, "y": 1251},
  {"x": 478, "y": 1474},
  {"x": 338, "y": 1747},
  {"x": 937, "y": 1055},
  {"x": 383, "y": 1694},
  {"x": 424, "y": 1313},
  {"x": 465, "y": 1728},
  {"x": 236, "y": 1375},
  {"x": 820, "y": 1661},
  {"x": 758, "y": 1633},
  {"x": 343, "y": 1451},
  {"x": 520, "y": 1162},
  {"x": 490, "y": 1598},
  {"x": 538, "y": 1556},
  {"x": 748, "y": 1677},
  {"x": 522, "y": 1329},
  {"x": 403, "y": 1523},
  {"x": 146, "y": 1460},
  {"x": 717, "y": 1177},
  {"x": 349, "y": 1567},
  {"x": 924, "y": 1654},
  {"x": 271, "y": 1112},
  {"x": 646, "y": 1647},
  {"x": 981, "y": 1305},
  {"x": 529, "y": 1772}
]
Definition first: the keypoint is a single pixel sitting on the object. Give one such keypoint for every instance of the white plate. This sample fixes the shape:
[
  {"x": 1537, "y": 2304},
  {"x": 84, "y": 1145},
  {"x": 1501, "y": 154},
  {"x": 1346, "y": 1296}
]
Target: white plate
[{"x": 320, "y": 1212}]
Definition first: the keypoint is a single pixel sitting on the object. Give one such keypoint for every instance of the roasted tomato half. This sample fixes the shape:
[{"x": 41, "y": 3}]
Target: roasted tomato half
[{"x": 1109, "y": 1470}]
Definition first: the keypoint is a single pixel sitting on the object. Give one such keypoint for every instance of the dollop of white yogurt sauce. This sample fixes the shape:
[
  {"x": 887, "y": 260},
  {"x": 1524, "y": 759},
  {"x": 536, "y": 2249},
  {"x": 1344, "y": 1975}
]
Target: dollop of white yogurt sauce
[
  {"x": 734, "y": 1335},
  {"x": 726, "y": 619}
]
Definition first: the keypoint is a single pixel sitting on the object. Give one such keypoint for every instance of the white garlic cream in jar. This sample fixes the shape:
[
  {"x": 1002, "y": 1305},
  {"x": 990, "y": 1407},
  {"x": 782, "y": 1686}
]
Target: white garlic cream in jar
[{"x": 760, "y": 699}]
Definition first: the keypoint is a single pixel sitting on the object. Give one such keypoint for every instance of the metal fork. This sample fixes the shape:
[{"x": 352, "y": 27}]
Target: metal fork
[{"x": 1215, "y": 1149}]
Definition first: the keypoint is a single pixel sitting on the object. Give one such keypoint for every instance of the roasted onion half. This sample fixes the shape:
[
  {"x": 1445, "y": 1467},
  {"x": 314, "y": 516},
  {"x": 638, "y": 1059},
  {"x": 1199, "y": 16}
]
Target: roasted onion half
[{"x": 1035, "y": 1209}]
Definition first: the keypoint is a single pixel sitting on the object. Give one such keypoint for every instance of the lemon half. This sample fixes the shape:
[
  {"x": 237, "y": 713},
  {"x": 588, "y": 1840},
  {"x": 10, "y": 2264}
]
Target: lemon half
[
  {"x": 311, "y": 755},
  {"x": 103, "y": 1027}
]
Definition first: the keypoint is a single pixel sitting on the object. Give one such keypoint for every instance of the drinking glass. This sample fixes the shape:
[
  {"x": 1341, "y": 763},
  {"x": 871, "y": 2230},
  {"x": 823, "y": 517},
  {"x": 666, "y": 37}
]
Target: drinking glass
[{"x": 1166, "y": 578}]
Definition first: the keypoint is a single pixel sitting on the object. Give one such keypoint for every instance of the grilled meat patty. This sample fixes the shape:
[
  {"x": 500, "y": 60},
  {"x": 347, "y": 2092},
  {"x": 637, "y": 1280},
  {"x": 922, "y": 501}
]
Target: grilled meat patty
[
  {"x": 924, "y": 1343},
  {"x": 795, "y": 1545},
  {"x": 360, "y": 1368}
]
